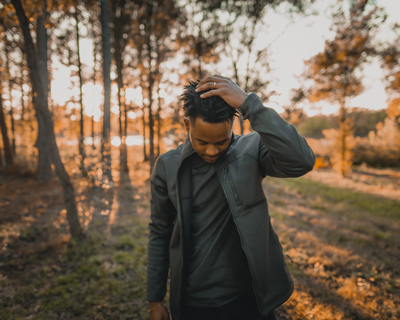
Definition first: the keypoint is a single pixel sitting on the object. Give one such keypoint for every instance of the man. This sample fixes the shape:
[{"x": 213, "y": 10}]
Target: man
[{"x": 210, "y": 226}]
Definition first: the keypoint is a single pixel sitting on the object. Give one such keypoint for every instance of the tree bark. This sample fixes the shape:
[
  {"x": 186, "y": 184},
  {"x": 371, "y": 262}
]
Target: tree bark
[
  {"x": 44, "y": 170},
  {"x": 106, "y": 144},
  {"x": 43, "y": 110},
  {"x": 118, "y": 49},
  {"x": 151, "y": 124},
  {"x": 6, "y": 142},
  {"x": 236, "y": 74},
  {"x": 22, "y": 90},
  {"x": 145, "y": 157},
  {"x": 93, "y": 80},
  {"x": 150, "y": 83},
  {"x": 82, "y": 134},
  {"x": 158, "y": 122},
  {"x": 343, "y": 146},
  {"x": 10, "y": 87}
]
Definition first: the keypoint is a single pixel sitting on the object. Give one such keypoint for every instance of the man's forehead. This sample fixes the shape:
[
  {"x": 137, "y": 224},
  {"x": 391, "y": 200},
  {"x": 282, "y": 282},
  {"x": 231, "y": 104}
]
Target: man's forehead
[
  {"x": 211, "y": 132},
  {"x": 208, "y": 140}
]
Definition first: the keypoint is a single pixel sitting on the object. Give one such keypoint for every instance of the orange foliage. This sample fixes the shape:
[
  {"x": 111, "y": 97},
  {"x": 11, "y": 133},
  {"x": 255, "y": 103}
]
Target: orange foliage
[
  {"x": 393, "y": 110},
  {"x": 333, "y": 69},
  {"x": 320, "y": 162}
]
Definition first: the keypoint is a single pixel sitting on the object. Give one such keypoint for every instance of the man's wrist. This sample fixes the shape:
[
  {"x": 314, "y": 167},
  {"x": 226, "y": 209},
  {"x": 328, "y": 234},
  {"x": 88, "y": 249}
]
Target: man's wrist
[
  {"x": 155, "y": 305},
  {"x": 241, "y": 105}
]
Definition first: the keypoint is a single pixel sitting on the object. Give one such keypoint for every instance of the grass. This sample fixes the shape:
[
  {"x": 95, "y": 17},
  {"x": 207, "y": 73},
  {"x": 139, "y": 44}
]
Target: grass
[
  {"x": 103, "y": 276},
  {"x": 97, "y": 278},
  {"x": 348, "y": 201},
  {"x": 343, "y": 240},
  {"x": 362, "y": 212}
]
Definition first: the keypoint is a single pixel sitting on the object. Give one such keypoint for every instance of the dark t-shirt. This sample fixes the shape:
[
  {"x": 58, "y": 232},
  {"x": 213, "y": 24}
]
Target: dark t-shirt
[{"x": 218, "y": 271}]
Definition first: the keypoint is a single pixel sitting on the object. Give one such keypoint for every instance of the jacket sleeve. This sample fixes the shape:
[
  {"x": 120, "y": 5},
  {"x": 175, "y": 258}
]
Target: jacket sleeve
[
  {"x": 283, "y": 152},
  {"x": 160, "y": 227}
]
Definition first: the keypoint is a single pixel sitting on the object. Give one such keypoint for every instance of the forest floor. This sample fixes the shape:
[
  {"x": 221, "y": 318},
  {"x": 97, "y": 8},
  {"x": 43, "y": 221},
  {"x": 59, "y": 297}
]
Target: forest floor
[{"x": 341, "y": 236}]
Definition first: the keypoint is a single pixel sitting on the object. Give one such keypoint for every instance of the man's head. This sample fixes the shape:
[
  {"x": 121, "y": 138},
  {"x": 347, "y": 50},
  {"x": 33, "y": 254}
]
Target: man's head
[{"x": 208, "y": 122}]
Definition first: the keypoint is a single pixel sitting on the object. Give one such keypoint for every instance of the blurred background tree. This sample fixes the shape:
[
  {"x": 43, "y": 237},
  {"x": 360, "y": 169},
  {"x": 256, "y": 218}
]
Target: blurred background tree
[
  {"x": 41, "y": 106},
  {"x": 391, "y": 61},
  {"x": 334, "y": 71},
  {"x": 125, "y": 62}
]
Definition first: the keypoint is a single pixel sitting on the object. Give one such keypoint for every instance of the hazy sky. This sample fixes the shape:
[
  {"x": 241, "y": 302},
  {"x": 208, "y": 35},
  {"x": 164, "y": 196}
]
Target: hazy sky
[
  {"x": 305, "y": 37},
  {"x": 293, "y": 41}
]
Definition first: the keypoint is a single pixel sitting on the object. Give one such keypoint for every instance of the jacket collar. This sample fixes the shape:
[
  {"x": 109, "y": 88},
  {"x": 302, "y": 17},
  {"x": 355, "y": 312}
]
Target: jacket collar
[{"x": 187, "y": 149}]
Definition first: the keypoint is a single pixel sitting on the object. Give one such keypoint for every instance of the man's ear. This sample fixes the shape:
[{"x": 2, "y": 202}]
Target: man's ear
[{"x": 187, "y": 124}]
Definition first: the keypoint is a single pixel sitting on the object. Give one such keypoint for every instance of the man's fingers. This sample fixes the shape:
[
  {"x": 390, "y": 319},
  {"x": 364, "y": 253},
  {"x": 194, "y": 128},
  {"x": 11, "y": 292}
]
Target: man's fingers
[
  {"x": 216, "y": 92},
  {"x": 207, "y": 86},
  {"x": 224, "y": 87},
  {"x": 210, "y": 83}
]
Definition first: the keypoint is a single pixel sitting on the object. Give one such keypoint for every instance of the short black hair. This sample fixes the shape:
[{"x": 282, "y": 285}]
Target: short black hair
[{"x": 212, "y": 109}]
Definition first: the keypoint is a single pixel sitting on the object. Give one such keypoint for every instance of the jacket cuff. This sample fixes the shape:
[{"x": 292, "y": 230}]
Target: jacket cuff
[
  {"x": 245, "y": 106},
  {"x": 150, "y": 297}
]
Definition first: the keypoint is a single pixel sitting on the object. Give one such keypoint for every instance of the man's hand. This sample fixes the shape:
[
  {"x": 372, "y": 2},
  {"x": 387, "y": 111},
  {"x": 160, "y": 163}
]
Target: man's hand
[
  {"x": 223, "y": 87},
  {"x": 159, "y": 313}
]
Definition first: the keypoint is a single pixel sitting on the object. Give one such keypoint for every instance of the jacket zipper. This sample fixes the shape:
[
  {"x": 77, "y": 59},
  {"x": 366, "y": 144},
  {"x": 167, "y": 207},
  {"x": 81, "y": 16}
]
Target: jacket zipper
[
  {"x": 226, "y": 173},
  {"x": 240, "y": 235},
  {"x": 180, "y": 232}
]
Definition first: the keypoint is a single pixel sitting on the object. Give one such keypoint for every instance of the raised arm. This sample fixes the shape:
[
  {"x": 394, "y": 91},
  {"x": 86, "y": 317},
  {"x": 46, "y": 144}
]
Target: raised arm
[{"x": 283, "y": 152}]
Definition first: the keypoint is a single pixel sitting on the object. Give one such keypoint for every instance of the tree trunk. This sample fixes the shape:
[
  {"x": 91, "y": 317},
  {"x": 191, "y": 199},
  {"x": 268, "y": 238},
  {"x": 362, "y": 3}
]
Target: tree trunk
[
  {"x": 22, "y": 90},
  {"x": 158, "y": 123},
  {"x": 44, "y": 112},
  {"x": 106, "y": 144},
  {"x": 150, "y": 83},
  {"x": 82, "y": 134},
  {"x": 10, "y": 87},
  {"x": 94, "y": 81},
  {"x": 200, "y": 53},
  {"x": 151, "y": 124},
  {"x": 118, "y": 49},
  {"x": 92, "y": 124},
  {"x": 200, "y": 70},
  {"x": 44, "y": 170},
  {"x": 343, "y": 147},
  {"x": 6, "y": 142},
  {"x": 145, "y": 157},
  {"x": 126, "y": 130},
  {"x": 236, "y": 74}
]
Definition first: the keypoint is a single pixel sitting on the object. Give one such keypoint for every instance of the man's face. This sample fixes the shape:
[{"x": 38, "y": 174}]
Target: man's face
[{"x": 209, "y": 140}]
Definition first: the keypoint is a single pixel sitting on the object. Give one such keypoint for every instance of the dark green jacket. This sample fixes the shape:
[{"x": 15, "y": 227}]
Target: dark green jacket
[{"x": 274, "y": 149}]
